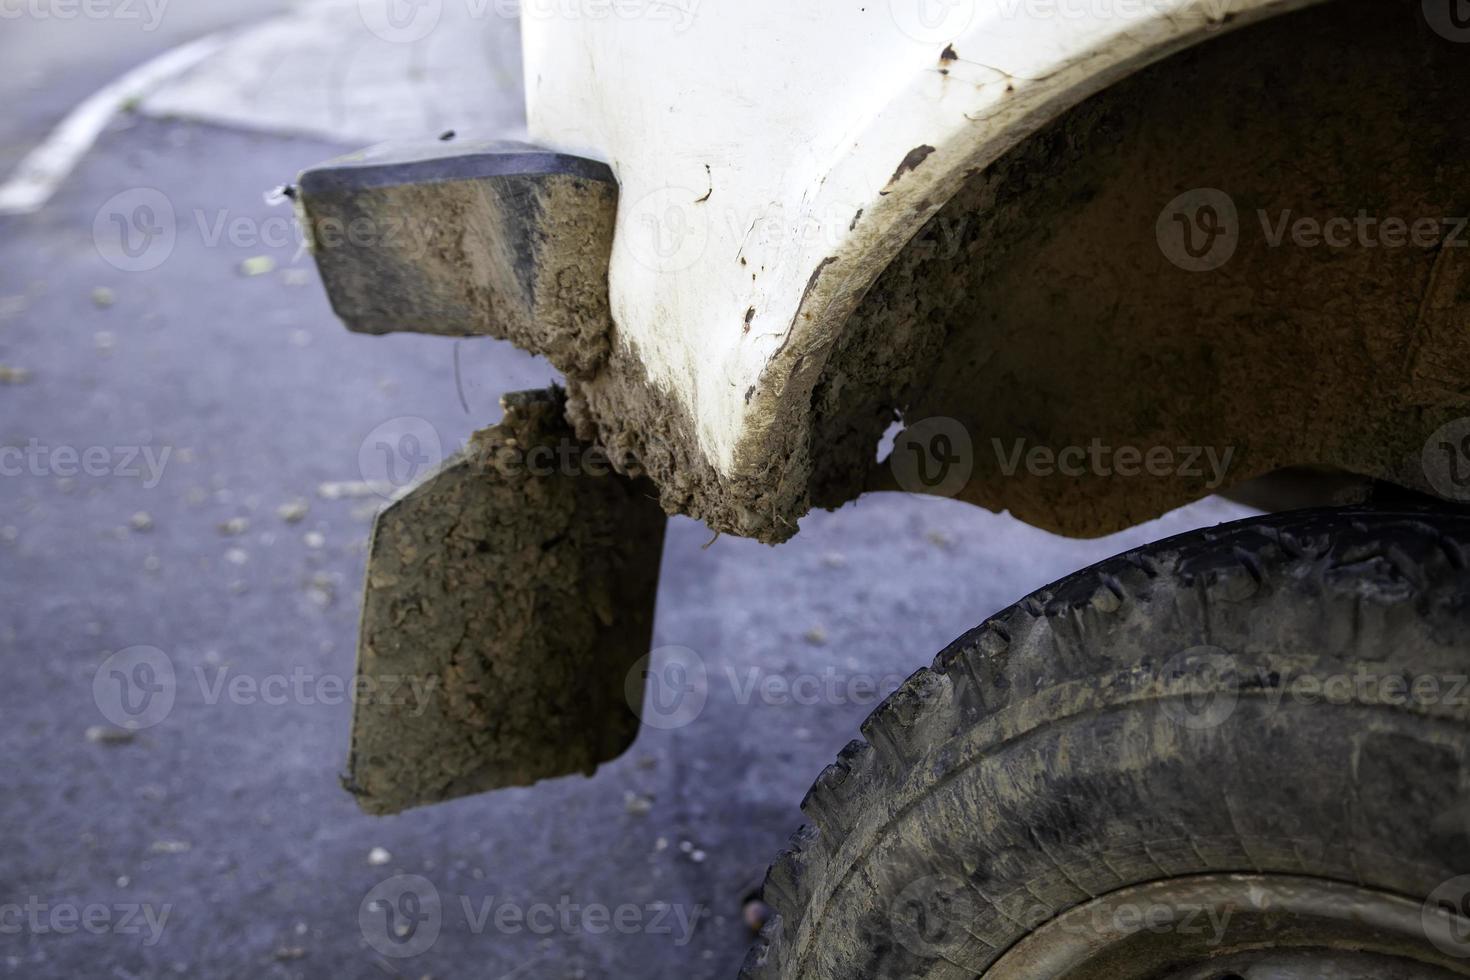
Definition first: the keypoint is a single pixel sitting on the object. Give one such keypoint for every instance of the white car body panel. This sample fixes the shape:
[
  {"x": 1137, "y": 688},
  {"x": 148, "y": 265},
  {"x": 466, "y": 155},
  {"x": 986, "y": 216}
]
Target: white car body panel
[{"x": 757, "y": 130}]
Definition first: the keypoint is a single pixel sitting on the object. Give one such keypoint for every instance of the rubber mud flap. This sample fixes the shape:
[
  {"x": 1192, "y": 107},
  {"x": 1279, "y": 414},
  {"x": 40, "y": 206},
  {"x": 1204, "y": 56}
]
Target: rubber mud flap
[
  {"x": 508, "y": 596},
  {"x": 475, "y": 237}
]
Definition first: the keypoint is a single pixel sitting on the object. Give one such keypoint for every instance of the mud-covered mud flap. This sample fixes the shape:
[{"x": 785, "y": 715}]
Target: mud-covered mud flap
[{"x": 508, "y": 597}]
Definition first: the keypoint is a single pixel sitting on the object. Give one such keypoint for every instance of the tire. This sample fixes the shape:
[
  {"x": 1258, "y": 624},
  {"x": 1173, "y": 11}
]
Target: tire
[{"x": 1150, "y": 720}]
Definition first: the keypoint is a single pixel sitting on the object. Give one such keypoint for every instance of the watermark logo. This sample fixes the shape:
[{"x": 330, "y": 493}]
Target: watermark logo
[
  {"x": 135, "y": 688},
  {"x": 1212, "y": 693},
  {"x": 401, "y": 916},
  {"x": 1445, "y": 917},
  {"x": 35, "y": 458},
  {"x": 1199, "y": 230},
  {"x": 400, "y": 21},
  {"x": 1446, "y": 459},
  {"x": 668, "y": 687},
  {"x": 932, "y": 915},
  {"x": 1205, "y": 463},
  {"x": 398, "y": 453},
  {"x": 934, "y": 456},
  {"x": 38, "y": 917},
  {"x": 667, "y": 230},
  {"x": 404, "y": 916},
  {"x": 933, "y": 21},
  {"x": 148, "y": 12},
  {"x": 1450, "y": 19},
  {"x": 135, "y": 230}
]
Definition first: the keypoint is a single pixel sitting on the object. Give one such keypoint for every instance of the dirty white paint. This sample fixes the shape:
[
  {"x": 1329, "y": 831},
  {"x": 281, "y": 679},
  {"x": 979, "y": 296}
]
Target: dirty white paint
[{"x": 748, "y": 135}]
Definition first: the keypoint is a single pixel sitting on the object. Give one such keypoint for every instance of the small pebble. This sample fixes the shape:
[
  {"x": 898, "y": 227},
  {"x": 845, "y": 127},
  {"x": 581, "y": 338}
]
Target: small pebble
[
  {"x": 235, "y": 525},
  {"x": 756, "y": 914},
  {"x": 293, "y": 511},
  {"x": 102, "y": 297},
  {"x": 237, "y": 556},
  {"x": 816, "y": 636},
  {"x": 379, "y": 856},
  {"x": 348, "y": 489},
  {"x": 141, "y": 521},
  {"x": 102, "y": 735},
  {"x": 10, "y": 375},
  {"x": 314, "y": 539},
  {"x": 258, "y": 265}
]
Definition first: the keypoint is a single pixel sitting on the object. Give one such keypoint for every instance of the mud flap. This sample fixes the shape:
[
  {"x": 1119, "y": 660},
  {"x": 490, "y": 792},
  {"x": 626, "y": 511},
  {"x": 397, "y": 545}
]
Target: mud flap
[{"x": 508, "y": 597}]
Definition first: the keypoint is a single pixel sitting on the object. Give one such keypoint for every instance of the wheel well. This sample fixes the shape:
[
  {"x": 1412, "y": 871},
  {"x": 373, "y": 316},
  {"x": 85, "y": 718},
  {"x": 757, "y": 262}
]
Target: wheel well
[{"x": 1046, "y": 305}]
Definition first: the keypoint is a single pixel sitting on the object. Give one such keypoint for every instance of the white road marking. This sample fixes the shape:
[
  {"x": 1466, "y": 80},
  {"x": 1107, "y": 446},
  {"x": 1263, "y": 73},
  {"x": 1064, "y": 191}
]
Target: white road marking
[{"x": 46, "y": 166}]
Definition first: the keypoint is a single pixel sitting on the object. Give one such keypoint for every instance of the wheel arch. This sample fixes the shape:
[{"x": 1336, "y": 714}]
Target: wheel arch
[{"x": 1038, "y": 304}]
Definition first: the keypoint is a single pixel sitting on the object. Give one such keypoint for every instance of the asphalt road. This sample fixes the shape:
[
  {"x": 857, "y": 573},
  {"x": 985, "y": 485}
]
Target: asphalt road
[
  {"x": 217, "y": 843},
  {"x": 57, "y": 52}
]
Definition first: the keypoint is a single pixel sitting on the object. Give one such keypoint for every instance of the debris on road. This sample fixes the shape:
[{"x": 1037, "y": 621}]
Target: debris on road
[
  {"x": 235, "y": 526},
  {"x": 349, "y": 489},
  {"x": 293, "y": 511},
  {"x": 103, "y": 735}
]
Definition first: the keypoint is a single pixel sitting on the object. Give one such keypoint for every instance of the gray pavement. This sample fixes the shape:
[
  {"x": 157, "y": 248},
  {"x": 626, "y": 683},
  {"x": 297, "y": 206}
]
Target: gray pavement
[
  {"x": 224, "y": 821},
  {"x": 57, "y": 52}
]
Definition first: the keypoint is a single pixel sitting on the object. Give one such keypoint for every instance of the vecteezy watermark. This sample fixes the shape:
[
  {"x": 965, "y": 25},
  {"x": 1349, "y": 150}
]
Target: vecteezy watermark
[
  {"x": 932, "y": 21},
  {"x": 38, "y": 917},
  {"x": 1205, "y": 685},
  {"x": 409, "y": 21},
  {"x": 1445, "y": 917},
  {"x": 670, "y": 686},
  {"x": 1200, "y": 230},
  {"x": 137, "y": 688},
  {"x": 138, "y": 230},
  {"x": 398, "y": 453},
  {"x": 1446, "y": 459},
  {"x": 935, "y": 915},
  {"x": 35, "y": 458},
  {"x": 147, "y": 13},
  {"x": 1450, "y": 19},
  {"x": 667, "y": 229},
  {"x": 403, "y": 916},
  {"x": 933, "y": 456},
  {"x": 1195, "y": 462}
]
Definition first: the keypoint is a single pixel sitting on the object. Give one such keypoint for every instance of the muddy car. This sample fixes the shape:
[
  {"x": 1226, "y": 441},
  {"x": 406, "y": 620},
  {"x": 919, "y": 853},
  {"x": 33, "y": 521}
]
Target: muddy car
[{"x": 1084, "y": 262}]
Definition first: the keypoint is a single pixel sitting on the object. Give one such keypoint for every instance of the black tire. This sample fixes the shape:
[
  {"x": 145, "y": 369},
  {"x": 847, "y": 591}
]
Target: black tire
[{"x": 1146, "y": 719}]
